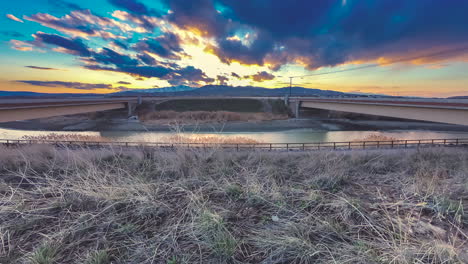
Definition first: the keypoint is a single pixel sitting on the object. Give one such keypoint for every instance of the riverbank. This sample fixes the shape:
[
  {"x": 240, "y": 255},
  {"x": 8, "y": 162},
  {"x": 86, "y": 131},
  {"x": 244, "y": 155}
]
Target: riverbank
[
  {"x": 81, "y": 123},
  {"x": 150, "y": 206}
]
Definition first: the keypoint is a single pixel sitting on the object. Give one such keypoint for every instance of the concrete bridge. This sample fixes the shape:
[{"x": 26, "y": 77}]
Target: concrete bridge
[
  {"x": 25, "y": 109},
  {"x": 434, "y": 110}
]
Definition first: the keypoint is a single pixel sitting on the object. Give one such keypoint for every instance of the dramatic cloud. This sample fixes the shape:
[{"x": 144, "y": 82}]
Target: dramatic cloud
[
  {"x": 326, "y": 33},
  {"x": 74, "y": 85},
  {"x": 70, "y": 46},
  {"x": 160, "y": 39},
  {"x": 200, "y": 15},
  {"x": 83, "y": 23},
  {"x": 108, "y": 56},
  {"x": 12, "y": 17},
  {"x": 229, "y": 50},
  {"x": 147, "y": 59},
  {"x": 41, "y": 68},
  {"x": 190, "y": 76},
  {"x": 165, "y": 46},
  {"x": 21, "y": 45},
  {"x": 119, "y": 44},
  {"x": 233, "y": 74},
  {"x": 322, "y": 33},
  {"x": 122, "y": 82},
  {"x": 261, "y": 76},
  {"x": 222, "y": 79}
]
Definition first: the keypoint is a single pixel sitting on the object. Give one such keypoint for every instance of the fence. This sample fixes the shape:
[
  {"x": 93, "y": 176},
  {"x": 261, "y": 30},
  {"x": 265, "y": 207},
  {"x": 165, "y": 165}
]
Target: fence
[{"x": 384, "y": 144}]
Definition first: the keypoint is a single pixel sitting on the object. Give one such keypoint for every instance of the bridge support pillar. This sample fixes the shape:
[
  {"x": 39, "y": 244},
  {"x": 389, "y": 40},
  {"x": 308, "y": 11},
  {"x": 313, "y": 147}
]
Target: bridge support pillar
[
  {"x": 297, "y": 108},
  {"x": 131, "y": 107},
  {"x": 294, "y": 107}
]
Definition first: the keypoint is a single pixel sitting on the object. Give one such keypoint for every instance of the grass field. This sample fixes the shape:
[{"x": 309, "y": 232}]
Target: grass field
[
  {"x": 190, "y": 111},
  {"x": 147, "y": 206}
]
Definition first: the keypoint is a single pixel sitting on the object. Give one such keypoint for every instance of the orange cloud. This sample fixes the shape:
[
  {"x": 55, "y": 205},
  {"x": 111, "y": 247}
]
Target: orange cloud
[{"x": 21, "y": 45}]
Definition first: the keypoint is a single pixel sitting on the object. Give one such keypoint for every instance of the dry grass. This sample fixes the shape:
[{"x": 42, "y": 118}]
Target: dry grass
[
  {"x": 378, "y": 137},
  {"x": 151, "y": 206},
  {"x": 180, "y": 138},
  {"x": 197, "y": 117}
]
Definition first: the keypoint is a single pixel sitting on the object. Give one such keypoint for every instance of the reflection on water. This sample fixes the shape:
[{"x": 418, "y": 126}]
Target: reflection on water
[{"x": 289, "y": 136}]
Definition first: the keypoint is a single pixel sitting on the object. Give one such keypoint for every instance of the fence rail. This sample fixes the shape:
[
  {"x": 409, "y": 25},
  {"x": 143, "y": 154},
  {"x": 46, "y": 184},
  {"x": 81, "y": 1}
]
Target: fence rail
[{"x": 383, "y": 144}]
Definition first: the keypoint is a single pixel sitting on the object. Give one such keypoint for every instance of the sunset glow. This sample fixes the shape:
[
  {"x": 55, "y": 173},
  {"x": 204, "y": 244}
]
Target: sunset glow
[{"x": 105, "y": 46}]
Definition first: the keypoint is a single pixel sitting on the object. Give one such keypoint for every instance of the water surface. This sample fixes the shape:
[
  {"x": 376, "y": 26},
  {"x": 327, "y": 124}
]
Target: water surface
[{"x": 287, "y": 136}]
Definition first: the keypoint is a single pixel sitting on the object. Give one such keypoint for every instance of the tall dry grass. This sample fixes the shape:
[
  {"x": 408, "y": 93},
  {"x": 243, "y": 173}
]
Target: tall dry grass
[{"x": 150, "y": 206}]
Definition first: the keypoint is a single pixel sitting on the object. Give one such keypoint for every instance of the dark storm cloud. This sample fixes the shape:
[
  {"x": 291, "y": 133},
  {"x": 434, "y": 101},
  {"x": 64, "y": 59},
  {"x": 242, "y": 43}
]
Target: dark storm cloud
[
  {"x": 178, "y": 76},
  {"x": 41, "y": 68},
  {"x": 108, "y": 56},
  {"x": 166, "y": 46},
  {"x": 261, "y": 76},
  {"x": 147, "y": 59},
  {"x": 222, "y": 79},
  {"x": 234, "y": 50},
  {"x": 189, "y": 76},
  {"x": 233, "y": 74},
  {"x": 120, "y": 44},
  {"x": 199, "y": 14},
  {"x": 72, "y": 46},
  {"x": 74, "y": 85},
  {"x": 324, "y": 32}
]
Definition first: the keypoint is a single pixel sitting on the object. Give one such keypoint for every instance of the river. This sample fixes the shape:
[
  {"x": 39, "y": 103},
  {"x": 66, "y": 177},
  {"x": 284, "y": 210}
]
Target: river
[{"x": 287, "y": 136}]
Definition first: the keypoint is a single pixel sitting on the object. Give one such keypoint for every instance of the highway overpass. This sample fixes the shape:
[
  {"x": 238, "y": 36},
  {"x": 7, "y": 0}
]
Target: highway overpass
[
  {"x": 25, "y": 109},
  {"x": 434, "y": 110}
]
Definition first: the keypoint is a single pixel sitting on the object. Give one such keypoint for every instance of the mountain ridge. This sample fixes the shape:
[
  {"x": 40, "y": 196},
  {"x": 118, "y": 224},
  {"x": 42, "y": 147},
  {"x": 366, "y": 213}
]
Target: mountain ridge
[{"x": 207, "y": 90}]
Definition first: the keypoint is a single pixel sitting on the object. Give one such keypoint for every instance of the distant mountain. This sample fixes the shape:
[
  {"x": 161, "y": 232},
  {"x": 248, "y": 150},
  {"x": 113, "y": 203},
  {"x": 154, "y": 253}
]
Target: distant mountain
[
  {"x": 208, "y": 90},
  {"x": 180, "y": 88},
  {"x": 48, "y": 95},
  {"x": 223, "y": 90},
  {"x": 458, "y": 97},
  {"x": 19, "y": 94}
]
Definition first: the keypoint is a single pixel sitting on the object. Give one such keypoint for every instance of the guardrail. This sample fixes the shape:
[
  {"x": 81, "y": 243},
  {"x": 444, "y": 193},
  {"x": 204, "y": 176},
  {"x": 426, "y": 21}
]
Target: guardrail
[{"x": 349, "y": 145}]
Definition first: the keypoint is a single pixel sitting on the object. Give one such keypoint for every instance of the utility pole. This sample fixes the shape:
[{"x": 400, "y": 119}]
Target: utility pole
[{"x": 290, "y": 85}]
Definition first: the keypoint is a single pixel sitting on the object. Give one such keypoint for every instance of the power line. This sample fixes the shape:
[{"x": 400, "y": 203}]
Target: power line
[
  {"x": 378, "y": 65},
  {"x": 389, "y": 63}
]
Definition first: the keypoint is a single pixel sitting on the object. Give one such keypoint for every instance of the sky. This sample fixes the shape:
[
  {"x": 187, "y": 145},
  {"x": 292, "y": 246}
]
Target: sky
[{"x": 394, "y": 47}]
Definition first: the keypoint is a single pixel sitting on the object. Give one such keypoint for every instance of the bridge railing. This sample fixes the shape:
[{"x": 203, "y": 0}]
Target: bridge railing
[{"x": 348, "y": 145}]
